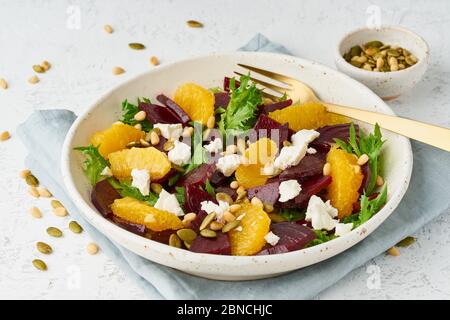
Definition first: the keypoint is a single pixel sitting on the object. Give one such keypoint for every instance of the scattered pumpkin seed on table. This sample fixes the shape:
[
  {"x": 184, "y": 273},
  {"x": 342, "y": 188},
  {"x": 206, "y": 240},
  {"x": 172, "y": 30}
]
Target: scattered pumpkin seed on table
[
  {"x": 5, "y": 135},
  {"x": 136, "y": 46},
  {"x": 37, "y": 68},
  {"x": 54, "y": 232},
  {"x": 39, "y": 264},
  {"x": 406, "y": 242},
  {"x": 31, "y": 180},
  {"x": 194, "y": 24},
  {"x": 75, "y": 227},
  {"x": 44, "y": 248}
]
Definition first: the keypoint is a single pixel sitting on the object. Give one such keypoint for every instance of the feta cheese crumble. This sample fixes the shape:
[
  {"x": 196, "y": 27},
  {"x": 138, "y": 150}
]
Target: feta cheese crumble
[
  {"x": 170, "y": 131},
  {"x": 343, "y": 228},
  {"x": 289, "y": 190},
  {"x": 228, "y": 164},
  {"x": 321, "y": 214},
  {"x": 214, "y": 146},
  {"x": 106, "y": 172},
  {"x": 180, "y": 154},
  {"x": 141, "y": 180},
  {"x": 311, "y": 151},
  {"x": 271, "y": 238},
  {"x": 269, "y": 169},
  {"x": 168, "y": 202},
  {"x": 219, "y": 209}
]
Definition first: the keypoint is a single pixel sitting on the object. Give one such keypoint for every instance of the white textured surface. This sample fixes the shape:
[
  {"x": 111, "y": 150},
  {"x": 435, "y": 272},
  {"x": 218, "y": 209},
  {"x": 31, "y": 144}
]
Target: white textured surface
[{"x": 81, "y": 70}]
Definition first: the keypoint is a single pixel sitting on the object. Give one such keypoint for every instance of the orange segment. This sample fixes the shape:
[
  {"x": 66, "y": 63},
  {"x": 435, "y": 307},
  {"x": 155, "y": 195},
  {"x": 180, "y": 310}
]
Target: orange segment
[
  {"x": 196, "y": 101},
  {"x": 311, "y": 115},
  {"x": 155, "y": 161},
  {"x": 258, "y": 154},
  {"x": 346, "y": 180},
  {"x": 255, "y": 225},
  {"x": 140, "y": 212},
  {"x": 115, "y": 138}
]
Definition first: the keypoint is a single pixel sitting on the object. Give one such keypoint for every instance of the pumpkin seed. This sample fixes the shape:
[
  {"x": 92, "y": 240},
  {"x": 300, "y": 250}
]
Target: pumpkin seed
[
  {"x": 194, "y": 24},
  {"x": 174, "y": 241},
  {"x": 31, "y": 180},
  {"x": 136, "y": 46},
  {"x": 54, "y": 232},
  {"x": 222, "y": 196},
  {"x": 75, "y": 227},
  {"x": 275, "y": 217},
  {"x": 37, "y": 68},
  {"x": 375, "y": 44},
  {"x": 44, "y": 248},
  {"x": 187, "y": 245},
  {"x": 187, "y": 235},
  {"x": 393, "y": 53},
  {"x": 356, "y": 63},
  {"x": 39, "y": 264},
  {"x": 231, "y": 225},
  {"x": 384, "y": 47},
  {"x": 406, "y": 242},
  {"x": 208, "y": 219},
  {"x": 206, "y": 233},
  {"x": 355, "y": 51},
  {"x": 409, "y": 60}
]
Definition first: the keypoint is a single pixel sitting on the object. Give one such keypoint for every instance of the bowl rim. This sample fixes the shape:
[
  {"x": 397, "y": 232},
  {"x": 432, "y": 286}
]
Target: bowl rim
[
  {"x": 348, "y": 240},
  {"x": 340, "y": 59}
]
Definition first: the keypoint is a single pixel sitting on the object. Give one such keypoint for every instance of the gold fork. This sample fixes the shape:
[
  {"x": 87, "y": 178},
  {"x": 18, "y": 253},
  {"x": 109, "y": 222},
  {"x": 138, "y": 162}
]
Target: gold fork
[{"x": 298, "y": 91}]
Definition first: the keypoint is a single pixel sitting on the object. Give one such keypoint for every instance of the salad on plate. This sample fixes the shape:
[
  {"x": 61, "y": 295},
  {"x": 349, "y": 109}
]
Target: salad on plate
[{"x": 230, "y": 171}]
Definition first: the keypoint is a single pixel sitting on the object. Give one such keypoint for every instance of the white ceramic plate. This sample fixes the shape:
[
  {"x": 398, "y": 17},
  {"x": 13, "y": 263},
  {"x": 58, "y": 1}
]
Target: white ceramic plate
[{"x": 209, "y": 71}]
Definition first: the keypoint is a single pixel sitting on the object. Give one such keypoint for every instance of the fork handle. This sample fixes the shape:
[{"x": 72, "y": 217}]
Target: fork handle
[{"x": 433, "y": 135}]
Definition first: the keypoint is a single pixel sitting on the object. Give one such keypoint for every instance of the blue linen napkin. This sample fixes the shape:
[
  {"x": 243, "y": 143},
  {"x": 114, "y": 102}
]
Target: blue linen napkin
[{"x": 428, "y": 196}]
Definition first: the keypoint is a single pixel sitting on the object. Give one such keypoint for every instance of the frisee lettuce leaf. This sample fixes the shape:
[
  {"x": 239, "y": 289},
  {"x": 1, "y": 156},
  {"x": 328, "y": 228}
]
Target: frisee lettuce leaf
[
  {"x": 179, "y": 193},
  {"x": 240, "y": 114},
  {"x": 94, "y": 163},
  {"x": 129, "y": 110},
  {"x": 321, "y": 237},
  {"x": 292, "y": 214},
  {"x": 125, "y": 189},
  {"x": 370, "y": 207},
  {"x": 367, "y": 144}
]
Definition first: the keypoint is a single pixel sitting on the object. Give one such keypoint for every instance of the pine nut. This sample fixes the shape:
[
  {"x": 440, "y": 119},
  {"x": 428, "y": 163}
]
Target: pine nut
[
  {"x": 108, "y": 28},
  {"x": 187, "y": 132},
  {"x": 117, "y": 70},
  {"x": 257, "y": 202},
  {"x": 216, "y": 226},
  {"x": 380, "y": 181},
  {"x": 154, "y": 61},
  {"x": 235, "y": 208},
  {"x": 35, "y": 212},
  {"x": 56, "y": 204},
  {"x": 43, "y": 192},
  {"x": 144, "y": 143},
  {"x": 357, "y": 169},
  {"x": 92, "y": 248},
  {"x": 188, "y": 218},
  {"x": 380, "y": 63},
  {"x": 268, "y": 207},
  {"x": 234, "y": 185},
  {"x": 211, "y": 122},
  {"x": 34, "y": 192},
  {"x": 140, "y": 116},
  {"x": 25, "y": 173},
  {"x": 363, "y": 159},
  {"x": 60, "y": 212},
  {"x": 34, "y": 79},
  {"x": 3, "y": 84},
  {"x": 156, "y": 188},
  {"x": 5, "y": 135},
  {"x": 286, "y": 143},
  {"x": 228, "y": 216},
  {"x": 327, "y": 169},
  {"x": 45, "y": 65},
  {"x": 154, "y": 138},
  {"x": 394, "y": 252},
  {"x": 138, "y": 126}
]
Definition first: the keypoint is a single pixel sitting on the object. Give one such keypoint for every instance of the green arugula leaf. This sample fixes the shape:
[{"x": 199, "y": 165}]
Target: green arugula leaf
[
  {"x": 322, "y": 236},
  {"x": 179, "y": 193},
  {"x": 240, "y": 114},
  {"x": 292, "y": 214},
  {"x": 125, "y": 189},
  {"x": 94, "y": 163},
  {"x": 368, "y": 144},
  {"x": 128, "y": 112},
  {"x": 370, "y": 207},
  {"x": 209, "y": 188}
]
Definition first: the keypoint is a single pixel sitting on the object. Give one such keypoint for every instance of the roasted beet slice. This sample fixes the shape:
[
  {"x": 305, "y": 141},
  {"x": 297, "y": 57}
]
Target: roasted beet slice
[
  {"x": 136, "y": 228},
  {"x": 198, "y": 175},
  {"x": 365, "y": 169},
  {"x": 169, "y": 175},
  {"x": 229, "y": 191},
  {"x": 268, "y": 193},
  {"x": 310, "y": 187},
  {"x": 275, "y": 106},
  {"x": 195, "y": 225},
  {"x": 217, "y": 178},
  {"x": 103, "y": 196},
  {"x": 162, "y": 236},
  {"x": 293, "y": 237},
  {"x": 184, "y": 118},
  {"x": 328, "y": 133},
  {"x": 226, "y": 83},
  {"x": 159, "y": 114},
  {"x": 309, "y": 166},
  {"x": 221, "y": 99},
  {"x": 217, "y": 245},
  {"x": 264, "y": 126},
  {"x": 194, "y": 196}
]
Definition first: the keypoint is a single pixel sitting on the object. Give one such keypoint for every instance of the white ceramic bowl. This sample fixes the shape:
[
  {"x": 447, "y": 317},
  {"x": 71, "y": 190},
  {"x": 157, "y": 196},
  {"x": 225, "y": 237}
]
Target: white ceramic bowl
[
  {"x": 209, "y": 71},
  {"x": 388, "y": 85}
]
